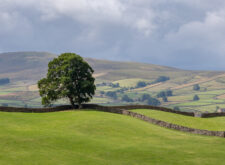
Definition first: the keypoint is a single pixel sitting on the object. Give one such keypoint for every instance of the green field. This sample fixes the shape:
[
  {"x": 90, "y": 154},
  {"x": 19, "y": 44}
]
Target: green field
[
  {"x": 27, "y": 68},
  {"x": 214, "y": 124},
  {"x": 91, "y": 137}
]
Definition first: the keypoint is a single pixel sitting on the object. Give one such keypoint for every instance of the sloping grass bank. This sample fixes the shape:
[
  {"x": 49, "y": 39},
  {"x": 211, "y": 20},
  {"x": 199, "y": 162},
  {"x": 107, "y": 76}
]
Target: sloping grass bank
[
  {"x": 213, "y": 124},
  {"x": 92, "y": 137}
]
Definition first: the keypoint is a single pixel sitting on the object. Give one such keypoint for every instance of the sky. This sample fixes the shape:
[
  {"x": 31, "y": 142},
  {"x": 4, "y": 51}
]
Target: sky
[{"x": 188, "y": 34}]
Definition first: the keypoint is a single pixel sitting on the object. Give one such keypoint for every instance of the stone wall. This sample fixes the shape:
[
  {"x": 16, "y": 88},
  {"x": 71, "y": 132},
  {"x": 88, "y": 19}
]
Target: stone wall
[
  {"x": 35, "y": 110},
  {"x": 125, "y": 111},
  {"x": 159, "y": 122},
  {"x": 217, "y": 114},
  {"x": 130, "y": 107}
]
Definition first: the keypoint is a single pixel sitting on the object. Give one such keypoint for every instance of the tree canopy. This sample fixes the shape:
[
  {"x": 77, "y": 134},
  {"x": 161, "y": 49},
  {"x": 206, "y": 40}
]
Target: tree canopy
[
  {"x": 70, "y": 77},
  {"x": 196, "y": 87}
]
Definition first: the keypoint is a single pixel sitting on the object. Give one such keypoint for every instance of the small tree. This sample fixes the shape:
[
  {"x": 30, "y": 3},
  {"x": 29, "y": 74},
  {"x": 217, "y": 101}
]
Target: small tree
[
  {"x": 169, "y": 93},
  {"x": 196, "y": 98},
  {"x": 69, "y": 76},
  {"x": 145, "y": 97},
  {"x": 161, "y": 94},
  {"x": 111, "y": 94},
  {"x": 153, "y": 102},
  {"x": 127, "y": 98},
  {"x": 165, "y": 99},
  {"x": 196, "y": 87},
  {"x": 141, "y": 84}
]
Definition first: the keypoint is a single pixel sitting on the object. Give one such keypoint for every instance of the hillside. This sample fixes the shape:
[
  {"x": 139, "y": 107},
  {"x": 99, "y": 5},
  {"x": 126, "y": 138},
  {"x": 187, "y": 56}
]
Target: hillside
[
  {"x": 25, "y": 68},
  {"x": 92, "y": 137},
  {"x": 212, "y": 124}
]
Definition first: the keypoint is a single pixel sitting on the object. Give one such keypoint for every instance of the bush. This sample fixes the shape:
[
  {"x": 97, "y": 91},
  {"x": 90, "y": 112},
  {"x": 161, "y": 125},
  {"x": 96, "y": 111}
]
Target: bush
[
  {"x": 112, "y": 94},
  {"x": 161, "y": 94},
  {"x": 165, "y": 99},
  {"x": 153, "y": 102},
  {"x": 145, "y": 97},
  {"x": 169, "y": 93},
  {"x": 196, "y": 87},
  {"x": 127, "y": 98},
  {"x": 141, "y": 84},
  {"x": 5, "y": 105},
  {"x": 162, "y": 79},
  {"x": 4, "y": 81},
  {"x": 117, "y": 85},
  {"x": 196, "y": 98}
]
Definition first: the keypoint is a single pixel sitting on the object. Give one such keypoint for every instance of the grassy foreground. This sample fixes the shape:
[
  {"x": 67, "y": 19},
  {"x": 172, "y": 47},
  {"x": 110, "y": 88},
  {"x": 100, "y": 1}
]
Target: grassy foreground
[
  {"x": 214, "y": 124},
  {"x": 91, "y": 137}
]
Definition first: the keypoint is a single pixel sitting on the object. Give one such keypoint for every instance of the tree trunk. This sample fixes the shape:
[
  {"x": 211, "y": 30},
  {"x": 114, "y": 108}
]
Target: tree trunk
[
  {"x": 80, "y": 106},
  {"x": 72, "y": 103}
]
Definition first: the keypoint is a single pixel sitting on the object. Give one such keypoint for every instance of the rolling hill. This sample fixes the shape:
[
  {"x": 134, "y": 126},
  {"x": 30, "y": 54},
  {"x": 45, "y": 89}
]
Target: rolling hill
[
  {"x": 93, "y": 137},
  {"x": 25, "y": 68}
]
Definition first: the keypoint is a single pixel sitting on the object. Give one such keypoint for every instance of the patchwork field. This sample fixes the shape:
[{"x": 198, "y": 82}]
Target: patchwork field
[
  {"x": 91, "y": 137},
  {"x": 27, "y": 68}
]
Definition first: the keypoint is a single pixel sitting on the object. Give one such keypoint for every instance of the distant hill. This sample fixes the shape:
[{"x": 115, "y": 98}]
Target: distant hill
[
  {"x": 33, "y": 65},
  {"x": 25, "y": 68}
]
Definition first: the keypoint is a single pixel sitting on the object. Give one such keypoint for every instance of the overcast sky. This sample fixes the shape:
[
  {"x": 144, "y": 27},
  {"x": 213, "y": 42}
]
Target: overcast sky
[{"x": 188, "y": 34}]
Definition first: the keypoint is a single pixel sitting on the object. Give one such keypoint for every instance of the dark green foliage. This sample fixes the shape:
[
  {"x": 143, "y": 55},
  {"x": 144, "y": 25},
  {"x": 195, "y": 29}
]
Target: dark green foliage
[
  {"x": 70, "y": 77},
  {"x": 117, "y": 85},
  {"x": 176, "y": 108},
  {"x": 5, "y": 105},
  {"x": 196, "y": 98},
  {"x": 150, "y": 100},
  {"x": 127, "y": 98},
  {"x": 169, "y": 93},
  {"x": 165, "y": 99},
  {"x": 111, "y": 94},
  {"x": 141, "y": 84},
  {"x": 4, "y": 81},
  {"x": 161, "y": 94},
  {"x": 161, "y": 79},
  {"x": 153, "y": 102},
  {"x": 145, "y": 97},
  {"x": 196, "y": 87}
]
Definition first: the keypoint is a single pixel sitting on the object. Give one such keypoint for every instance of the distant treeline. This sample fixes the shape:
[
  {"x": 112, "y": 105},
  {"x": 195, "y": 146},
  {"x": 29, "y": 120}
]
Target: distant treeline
[{"x": 4, "y": 81}]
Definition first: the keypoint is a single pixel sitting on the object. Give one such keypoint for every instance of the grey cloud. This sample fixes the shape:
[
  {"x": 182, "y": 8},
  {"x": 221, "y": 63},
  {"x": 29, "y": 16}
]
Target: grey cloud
[{"x": 167, "y": 32}]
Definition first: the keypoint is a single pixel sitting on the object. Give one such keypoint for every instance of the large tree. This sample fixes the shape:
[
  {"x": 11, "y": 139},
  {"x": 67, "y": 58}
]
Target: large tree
[{"x": 69, "y": 76}]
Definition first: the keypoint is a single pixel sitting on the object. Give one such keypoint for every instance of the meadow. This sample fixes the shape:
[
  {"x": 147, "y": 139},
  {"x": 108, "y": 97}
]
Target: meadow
[
  {"x": 92, "y": 137},
  {"x": 212, "y": 124}
]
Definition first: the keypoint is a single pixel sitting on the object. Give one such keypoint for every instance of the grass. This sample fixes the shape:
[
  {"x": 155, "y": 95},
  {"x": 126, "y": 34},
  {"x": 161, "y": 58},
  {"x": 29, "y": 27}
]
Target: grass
[
  {"x": 91, "y": 137},
  {"x": 215, "y": 124},
  {"x": 130, "y": 82}
]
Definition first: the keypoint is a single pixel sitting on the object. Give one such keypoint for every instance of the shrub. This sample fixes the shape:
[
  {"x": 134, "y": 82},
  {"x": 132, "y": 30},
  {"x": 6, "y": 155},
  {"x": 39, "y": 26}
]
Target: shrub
[
  {"x": 165, "y": 99},
  {"x": 153, "y": 101},
  {"x": 141, "y": 84},
  {"x": 162, "y": 79},
  {"x": 127, "y": 98},
  {"x": 4, "y": 81},
  {"x": 145, "y": 97},
  {"x": 112, "y": 94},
  {"x": 161, "y": 94},
  {"x": 196, "y": 98},
  {"x": 169, "y": 93},
  {"x": 5, "y": 105},
  {"x": 196, "y": 87}
]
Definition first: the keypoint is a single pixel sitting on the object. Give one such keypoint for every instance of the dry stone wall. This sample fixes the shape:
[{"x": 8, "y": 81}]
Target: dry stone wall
[{"x": 125, "y": 111}]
